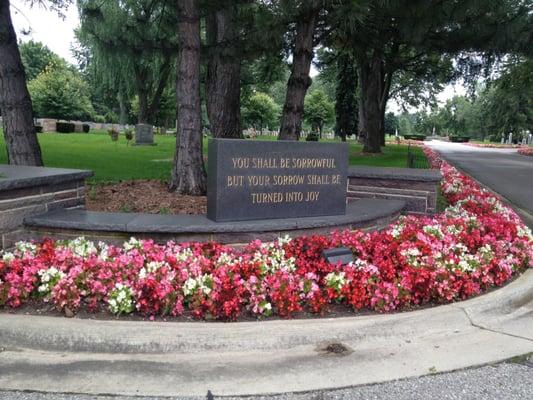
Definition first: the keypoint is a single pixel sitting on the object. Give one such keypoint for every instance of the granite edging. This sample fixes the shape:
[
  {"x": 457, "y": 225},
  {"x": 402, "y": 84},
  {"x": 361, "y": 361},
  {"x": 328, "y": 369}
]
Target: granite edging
[
  {"x": 407, "y": 174},
  {"x": 356, "y": 212}
]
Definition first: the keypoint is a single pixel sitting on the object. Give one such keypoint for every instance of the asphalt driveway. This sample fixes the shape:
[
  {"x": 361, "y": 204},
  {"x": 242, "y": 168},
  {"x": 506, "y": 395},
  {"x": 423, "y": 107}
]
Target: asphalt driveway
[{"x": 502, "y": 170}]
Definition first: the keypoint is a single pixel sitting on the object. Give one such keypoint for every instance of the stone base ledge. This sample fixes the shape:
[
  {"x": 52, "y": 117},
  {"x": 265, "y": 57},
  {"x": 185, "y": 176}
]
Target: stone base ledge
[{"x": 117, "y": 227}]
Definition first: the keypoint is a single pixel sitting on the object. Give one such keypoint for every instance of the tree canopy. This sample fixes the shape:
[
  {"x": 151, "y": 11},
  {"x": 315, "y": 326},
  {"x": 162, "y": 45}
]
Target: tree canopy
[
  {"x": 319, "y": 110},
  {"x": 225, "y": 65},
  {"x": 60, "y": 92},
  {"x": 35, "y": 58}
]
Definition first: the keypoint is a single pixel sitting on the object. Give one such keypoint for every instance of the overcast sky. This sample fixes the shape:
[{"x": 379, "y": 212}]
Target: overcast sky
[{"x": 45, "y": 26}]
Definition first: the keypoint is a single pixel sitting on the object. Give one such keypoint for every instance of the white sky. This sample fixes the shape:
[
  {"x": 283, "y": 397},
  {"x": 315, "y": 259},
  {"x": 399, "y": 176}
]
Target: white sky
[
  {"x": 58, "y": 34},
  {"x": 45, "y": 26}
]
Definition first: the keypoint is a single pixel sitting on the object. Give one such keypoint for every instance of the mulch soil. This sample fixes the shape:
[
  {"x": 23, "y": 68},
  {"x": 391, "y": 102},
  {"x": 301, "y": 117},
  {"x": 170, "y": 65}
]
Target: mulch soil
[{"x": 144, "y": 196}]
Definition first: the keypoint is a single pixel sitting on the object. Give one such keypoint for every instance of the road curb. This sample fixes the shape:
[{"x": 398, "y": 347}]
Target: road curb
[{"x": 173, "y": 359}]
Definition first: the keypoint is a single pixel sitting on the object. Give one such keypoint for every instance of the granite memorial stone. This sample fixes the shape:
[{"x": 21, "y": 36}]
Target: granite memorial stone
[
  {"x": 144, "y": 135},
  {"x": 250, "y": 180}
]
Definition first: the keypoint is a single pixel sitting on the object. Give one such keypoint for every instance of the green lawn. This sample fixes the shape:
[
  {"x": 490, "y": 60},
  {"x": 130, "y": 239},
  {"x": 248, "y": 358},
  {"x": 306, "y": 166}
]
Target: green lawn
[{"x": 113, "y": 161}]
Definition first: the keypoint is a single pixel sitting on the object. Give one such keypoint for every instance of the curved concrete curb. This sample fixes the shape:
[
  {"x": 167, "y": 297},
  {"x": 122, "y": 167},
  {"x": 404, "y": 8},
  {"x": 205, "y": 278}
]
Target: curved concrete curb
[{"x": 171, "y": 359}]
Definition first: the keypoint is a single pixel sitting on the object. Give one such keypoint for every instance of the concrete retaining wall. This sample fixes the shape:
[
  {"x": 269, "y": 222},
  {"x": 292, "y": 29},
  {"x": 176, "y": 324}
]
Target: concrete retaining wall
[
  {"x": 417, "y": 187},
  {"x": 27, "y": 191}
]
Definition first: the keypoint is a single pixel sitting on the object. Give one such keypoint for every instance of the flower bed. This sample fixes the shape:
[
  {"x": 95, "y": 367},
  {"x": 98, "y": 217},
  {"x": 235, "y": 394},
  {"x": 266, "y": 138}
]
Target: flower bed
[
  {"x": 526, "y": 151},
  {"x": 476, "y": 244},
  {"x": 493, "y": 145}
]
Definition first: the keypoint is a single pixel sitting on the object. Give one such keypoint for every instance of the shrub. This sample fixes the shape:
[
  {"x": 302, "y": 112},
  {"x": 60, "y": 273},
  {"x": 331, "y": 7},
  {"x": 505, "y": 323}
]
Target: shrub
[
  {"x": 38, "y": 128},
  {"x": 86, "y": 128},
  {"x": 65, "y": 127},
  {"x": 99, "y": 119},
  {"x": 414, "y": 136},
  {"x": 60, "y": 92},
  {"x": 114, "y": 134},
  {"x": 459, "y": 139},
  {"x": 128, "y": 134},
  {"x": 312, "y": 137},
  {"x": 111, "y": 117}
]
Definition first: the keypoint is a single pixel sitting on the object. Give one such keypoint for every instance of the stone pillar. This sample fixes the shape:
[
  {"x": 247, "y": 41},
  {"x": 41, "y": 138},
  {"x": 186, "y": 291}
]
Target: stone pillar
[{"x": 144, "y": 135}]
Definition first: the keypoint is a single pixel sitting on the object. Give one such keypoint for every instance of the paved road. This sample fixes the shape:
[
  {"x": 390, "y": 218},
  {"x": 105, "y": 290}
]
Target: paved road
[
  {"x": 507, "y": 381},
  {"x": 502, "y": 170}
]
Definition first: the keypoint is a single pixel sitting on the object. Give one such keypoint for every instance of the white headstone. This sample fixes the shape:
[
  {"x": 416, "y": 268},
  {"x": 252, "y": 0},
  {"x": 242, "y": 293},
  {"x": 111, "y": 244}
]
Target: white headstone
[{"x": 510, "y": 137}]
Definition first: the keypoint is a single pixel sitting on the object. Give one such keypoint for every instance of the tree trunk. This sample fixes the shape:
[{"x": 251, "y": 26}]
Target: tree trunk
[
  {"x": 382, "y": 126},
  {"x": 188, "y": 173},
  {"x": 223, "y": 86},
  {"x": 141, "y": 86},
  {"x": 371, "y": 91},
  {"x": 144, "y": 84},
  {"x": 361, "y": 128},
  {"x": 346, "y": 107},
  {"x": 384, "y": 98},
  {"x": 15, "y": 102},
  {"x": 123, "y": 117},
  {"x": 299, "y": 80},
  {"x": 155, "y": 103}
]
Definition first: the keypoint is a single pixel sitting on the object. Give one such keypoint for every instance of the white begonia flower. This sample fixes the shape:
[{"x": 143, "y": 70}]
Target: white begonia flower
[
  {"x": 133, "y": 243},
  {"x": 121, "y": 299},
  {"x": 454, "y": 230},
  {"x": 203, "y": 283},
  {"x": 397, "y": 230},
  {"x": 434, "y": 230},
  {"x": 26, "y": 247},
  {"x": 284, "y": 240},
  {"x": 468, "y": 263},
  {"x": 49, "y": 278},
  {"x": 227, "y": 259},
  {"x": 412, "y": 255},
  {"x": 8, "y": 257},
  {"x": 185, "y": 255},
  {"x": 104, "y": 251},
  {"x": 81, "y": 247},
  {"x": 336, "y": 280},
  {"x": 524, "y": 231}
]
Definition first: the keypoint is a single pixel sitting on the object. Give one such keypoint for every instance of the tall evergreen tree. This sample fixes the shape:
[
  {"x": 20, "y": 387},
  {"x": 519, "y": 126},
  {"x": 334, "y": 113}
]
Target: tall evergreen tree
[
  {"x": 392, "y": 36},
  {"x": 306, "y": 19},
  {"x": 346, "y": 102},
  {"x": 223, "y": 86},
  {"x": 15, "y": 102},
  {"x": 188, "y": 173},
  {"x": 134, "y": 44}
]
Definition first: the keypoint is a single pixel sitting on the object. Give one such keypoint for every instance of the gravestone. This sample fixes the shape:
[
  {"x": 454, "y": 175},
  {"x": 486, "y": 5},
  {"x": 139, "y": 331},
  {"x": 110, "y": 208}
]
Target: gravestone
[
  {"x": 144, "y": 135},
  {"x": 250, "y": 180}
]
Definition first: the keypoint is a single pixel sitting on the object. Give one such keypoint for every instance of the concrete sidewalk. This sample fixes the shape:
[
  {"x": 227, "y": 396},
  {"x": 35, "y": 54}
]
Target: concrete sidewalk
[{"x": 188, "y": 359}]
